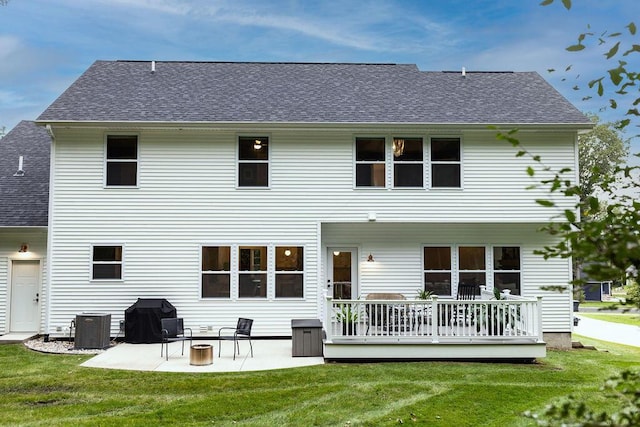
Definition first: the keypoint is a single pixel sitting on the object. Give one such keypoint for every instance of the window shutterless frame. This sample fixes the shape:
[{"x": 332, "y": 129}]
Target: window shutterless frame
[
  {"x": 107, "y": 262},
  {"x": 438, "y": 269},
  {"x": 289, "y": 272},
  {"x": 507, "y": 268},
  {"x": 445, "y": 159},
  {"x": 121, "y": 160},
  {"x": 215, "y": 271},
  {"x": 370, "y": 155},
  {"x": 253, "y": 158}
]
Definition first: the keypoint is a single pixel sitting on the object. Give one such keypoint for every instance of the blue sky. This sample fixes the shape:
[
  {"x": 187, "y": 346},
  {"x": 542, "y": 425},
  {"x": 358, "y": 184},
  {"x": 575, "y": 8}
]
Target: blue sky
[{"x": 46, "y": 44}]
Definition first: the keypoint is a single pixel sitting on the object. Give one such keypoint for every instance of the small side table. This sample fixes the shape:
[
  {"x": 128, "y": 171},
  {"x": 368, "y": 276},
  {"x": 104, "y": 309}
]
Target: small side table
[{"x": 201, "y": 354}]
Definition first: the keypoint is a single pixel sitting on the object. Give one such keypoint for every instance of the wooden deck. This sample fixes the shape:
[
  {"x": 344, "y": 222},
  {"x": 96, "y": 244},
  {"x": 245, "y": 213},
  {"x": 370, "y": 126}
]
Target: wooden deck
[{"x": 434, "y": 329}]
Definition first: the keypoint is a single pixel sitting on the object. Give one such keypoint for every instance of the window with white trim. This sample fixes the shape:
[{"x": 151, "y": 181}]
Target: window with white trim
[
  {"x": 106, "y": 263},
  {"x": 445, "y": 163},
  {"x": 253, "y": 161},
  {"x": 437, "y": 269},
  {"x": 122, "y": 161},
  {"x": 370, "y": 162},
  {"x": 472, "y": 266},
  {"x": 252, "y": 272},
  {"x": 506, "y": 268},
  {"x": 289, "y": 272},
  {"x": 408, "y": 162},
  {"x": 216, "y": 272}
]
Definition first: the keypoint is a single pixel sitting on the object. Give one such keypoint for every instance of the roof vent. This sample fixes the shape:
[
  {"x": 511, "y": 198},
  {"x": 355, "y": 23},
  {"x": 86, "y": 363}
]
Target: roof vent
[
  {"x": 464, "y": 72},
  {"x": 20, "y": 170},
  {"x": 153, "y": 66}
]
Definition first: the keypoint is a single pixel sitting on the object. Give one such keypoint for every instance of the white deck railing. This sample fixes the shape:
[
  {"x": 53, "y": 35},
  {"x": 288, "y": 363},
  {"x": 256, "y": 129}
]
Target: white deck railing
[{"x": 435, "y": 320}]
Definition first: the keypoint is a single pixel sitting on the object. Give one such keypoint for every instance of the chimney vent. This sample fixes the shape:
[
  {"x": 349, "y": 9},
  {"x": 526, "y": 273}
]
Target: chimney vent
[
  {"x": 153, "y": 66},
  {"x": 464, "y": 72}
]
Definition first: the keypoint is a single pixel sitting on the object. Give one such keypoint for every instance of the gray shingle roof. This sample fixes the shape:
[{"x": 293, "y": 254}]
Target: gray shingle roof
[
  {"x": 24, "y": 200},
  {"x": 307, "y": 92}
]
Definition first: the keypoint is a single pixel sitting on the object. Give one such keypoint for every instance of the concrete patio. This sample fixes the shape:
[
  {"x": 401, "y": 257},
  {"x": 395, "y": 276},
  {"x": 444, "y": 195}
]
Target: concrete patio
[{"x": 268, "y": 355}]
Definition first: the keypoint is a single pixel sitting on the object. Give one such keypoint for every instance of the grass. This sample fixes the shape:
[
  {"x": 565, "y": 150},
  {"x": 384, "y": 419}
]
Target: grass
[
  {"x": 43, "y": 389},
  {"x": 625, "y": 318}
]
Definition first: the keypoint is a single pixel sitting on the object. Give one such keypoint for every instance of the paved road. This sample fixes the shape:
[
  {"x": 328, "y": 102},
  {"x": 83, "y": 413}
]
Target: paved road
[{"x": 608, "y": 331}]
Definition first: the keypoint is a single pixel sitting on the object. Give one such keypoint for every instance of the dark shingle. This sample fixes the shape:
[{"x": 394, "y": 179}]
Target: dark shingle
[
  {"x": 24, "y": 200},
  {"x": 300, "y": 92}
]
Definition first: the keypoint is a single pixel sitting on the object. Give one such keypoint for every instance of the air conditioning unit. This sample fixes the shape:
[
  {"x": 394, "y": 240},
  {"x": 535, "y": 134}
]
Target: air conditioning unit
[{"x": 93, "y": 330}]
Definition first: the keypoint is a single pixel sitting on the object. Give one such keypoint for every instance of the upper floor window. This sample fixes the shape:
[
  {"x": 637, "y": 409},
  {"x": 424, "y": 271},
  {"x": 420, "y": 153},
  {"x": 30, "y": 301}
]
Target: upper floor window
[
  {"x": 216, "y": 272},
  {"x": 437, "y": 269},
  {"x": 506, "y": 268},
  {"x": 370, "y": 162},
  {"x": 253, "y": 161},
  {"x": 289, "y": 272},
  {"x": 445, "y": 162},
  {"x": 408, "y": 170},
  {"x": 106, "y": 263},
  {"x": 252, "y": 272},
  {"x": 122, "y": 160}
]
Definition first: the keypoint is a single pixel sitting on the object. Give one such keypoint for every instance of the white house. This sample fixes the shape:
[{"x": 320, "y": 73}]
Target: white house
[{"x": 259, "y": 189}]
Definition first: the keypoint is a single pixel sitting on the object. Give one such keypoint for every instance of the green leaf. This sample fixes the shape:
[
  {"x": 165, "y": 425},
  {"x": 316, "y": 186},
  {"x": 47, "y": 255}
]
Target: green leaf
[
  {"x": 570, "y": 215},
  {"x": 615, "y": 35},
  {"x": 634, "y": 48},
  {"x": 550, "y": 70},
  {"x": 546, "y": 2},
  {"x": 600, "y": 88},
  {"x": 545, "y": 203},
  {"x": 612, "y": 52},
  {"x": 632, "y": 28},
  {"x": 567, "y": 4},
  {"x": 521, "y": 153},
  {"x": 616, "y": 77},
  {"x": 530, "y": 171},
  {"x": 575, "y": 47},
  {"x": 613, "y": 103}
]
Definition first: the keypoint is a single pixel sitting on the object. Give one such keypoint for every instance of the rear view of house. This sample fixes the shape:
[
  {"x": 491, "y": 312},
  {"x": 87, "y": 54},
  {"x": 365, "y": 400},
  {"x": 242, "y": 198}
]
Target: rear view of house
[{"x": 273, "y": 190}]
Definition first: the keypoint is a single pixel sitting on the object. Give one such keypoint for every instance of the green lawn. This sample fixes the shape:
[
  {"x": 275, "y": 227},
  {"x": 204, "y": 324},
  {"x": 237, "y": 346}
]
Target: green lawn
[
  {"x": 626, "y": 318},
  {"x": 43, "y": 389}
]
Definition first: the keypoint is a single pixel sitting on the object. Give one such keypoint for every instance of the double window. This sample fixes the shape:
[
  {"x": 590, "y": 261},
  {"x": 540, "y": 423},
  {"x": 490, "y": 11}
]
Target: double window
[
  {"x": 370, "y": 162},
  {"x": 445, "y": 162},
  {"x": 258, "y": 274},
  {"x": 106, "y": 263},
  {"x": 408, "y": 162},
  {"x": 506, "y": 268},
  {"x": 253, "y": 161},
  {"x": 122, "y": 161},
  {"x": 446, "y": 267},
  {"x": 216, "y": 272}
]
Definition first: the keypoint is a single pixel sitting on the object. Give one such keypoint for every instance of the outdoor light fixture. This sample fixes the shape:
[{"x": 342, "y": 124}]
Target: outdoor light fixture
[
  {"x": 287, "y": 252},
  {"x": 336, "y": 253},
  {"x": 370, "y": 258},
  {"x": 24, "y": 248}
]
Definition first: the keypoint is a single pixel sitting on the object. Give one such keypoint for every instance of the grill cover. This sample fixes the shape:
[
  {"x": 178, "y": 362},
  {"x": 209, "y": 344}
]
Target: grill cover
[{"x": 142, "y": 320}]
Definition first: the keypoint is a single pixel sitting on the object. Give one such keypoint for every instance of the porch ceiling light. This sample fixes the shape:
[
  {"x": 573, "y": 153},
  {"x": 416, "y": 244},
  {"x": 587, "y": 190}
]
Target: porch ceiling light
[
  {"x": 370, "y": 258},
  {"x": 287, "y": 252},
  {"x": 336, "y": 253}
]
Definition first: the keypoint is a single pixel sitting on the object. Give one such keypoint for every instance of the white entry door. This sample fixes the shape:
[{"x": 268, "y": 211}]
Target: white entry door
[
  {"x": 25, "y": 296},
  {"x": 343, "y": 272}
]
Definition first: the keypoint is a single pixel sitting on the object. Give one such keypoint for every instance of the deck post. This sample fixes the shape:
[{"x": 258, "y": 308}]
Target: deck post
[
  {"x": 435, "y": 320},
  {"x": 539, "y": 312},
  {"x": 328, "y": 307}
]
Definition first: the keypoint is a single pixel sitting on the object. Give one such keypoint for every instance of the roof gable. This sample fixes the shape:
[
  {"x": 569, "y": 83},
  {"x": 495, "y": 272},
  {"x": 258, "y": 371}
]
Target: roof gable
[
  {"x": 124, "y": 91},
  {"x": 25, "y": 197}
]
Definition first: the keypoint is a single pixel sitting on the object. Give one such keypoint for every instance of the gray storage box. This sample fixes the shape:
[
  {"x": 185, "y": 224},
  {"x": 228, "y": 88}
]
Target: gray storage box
[
  {"x": 306, "y": 337},
  {"x": 93, "y": 330}
]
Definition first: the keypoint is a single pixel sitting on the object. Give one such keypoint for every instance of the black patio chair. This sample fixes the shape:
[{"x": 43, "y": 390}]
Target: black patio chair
[
  {"x": 242, "y": 331},
  {"x": 173, "y": 330},
  {"x": 466, "y": 292}
]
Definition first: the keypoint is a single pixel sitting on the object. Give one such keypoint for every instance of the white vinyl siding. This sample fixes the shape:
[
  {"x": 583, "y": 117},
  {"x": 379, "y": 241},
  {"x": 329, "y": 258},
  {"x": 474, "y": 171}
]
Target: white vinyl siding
[{"x": 187, "y": 197}]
